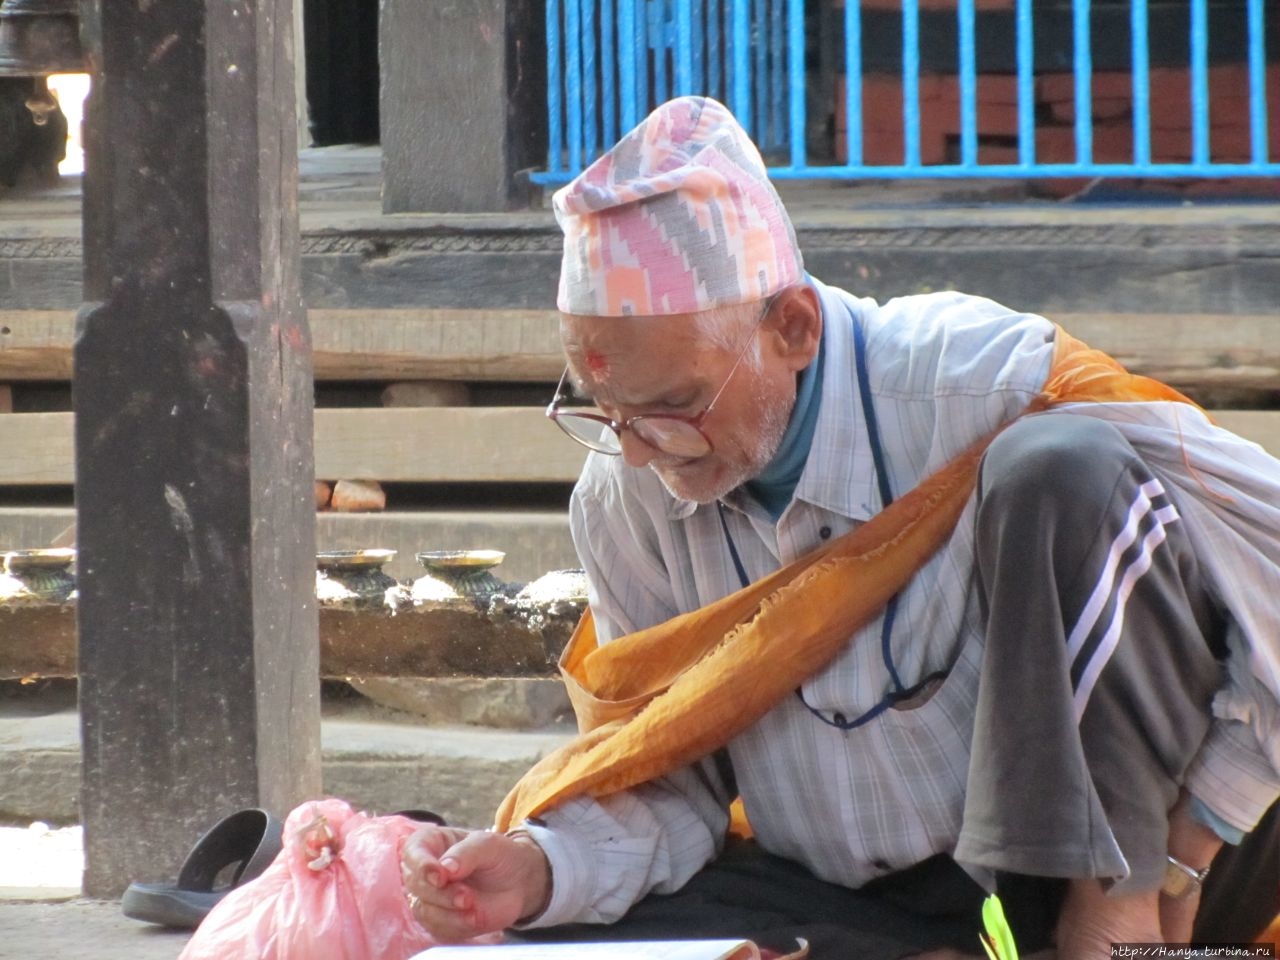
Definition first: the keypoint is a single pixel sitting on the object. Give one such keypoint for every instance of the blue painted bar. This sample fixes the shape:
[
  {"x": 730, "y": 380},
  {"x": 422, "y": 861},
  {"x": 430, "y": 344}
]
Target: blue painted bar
[
  {"x": 573, "y": 80},
  {"x": 1257, "y": 85},
  {"x": 659, "y": 45},
  {"x": 968, "y": 85},
  {"x": 555, "y": 133},
  {"x": 911, "y": 82},
  {"x": 627, "y": 50},
  {"x": 798, "y": 114},
  {"x": 760, "y": 73},
  {"x": 698, "y": 42},
  {"x": 1082, "y": 60},
  {"x": 684, "y": 48},
  {"x": 1141, "y": 82},
  {"x": 590, "y": 70},
  {"x": 741, "y": 105},
  {"x": 641, "y": 18},
  {"x": 1200, "y": 82},
  {"x": 853, "y": 81},
  {"x": 778, "y": 40},
  {"x": 715, "y": 58},
  {"x": 608, "y": 76},
  {"x": 1026, "y": 85}
]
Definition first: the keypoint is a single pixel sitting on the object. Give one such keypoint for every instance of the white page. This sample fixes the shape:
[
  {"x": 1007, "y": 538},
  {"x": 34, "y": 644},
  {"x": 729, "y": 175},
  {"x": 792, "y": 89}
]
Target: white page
[{"x": 626, "y": 950}]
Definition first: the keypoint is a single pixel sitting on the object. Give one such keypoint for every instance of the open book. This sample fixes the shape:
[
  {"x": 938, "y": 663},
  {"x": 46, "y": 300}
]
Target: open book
[{"x": 626, "y": 950}]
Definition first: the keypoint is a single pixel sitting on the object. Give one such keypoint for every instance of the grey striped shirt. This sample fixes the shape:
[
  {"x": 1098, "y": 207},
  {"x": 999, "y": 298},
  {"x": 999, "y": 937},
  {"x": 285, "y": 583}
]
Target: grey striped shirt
[{"x": 945, "y": 369}]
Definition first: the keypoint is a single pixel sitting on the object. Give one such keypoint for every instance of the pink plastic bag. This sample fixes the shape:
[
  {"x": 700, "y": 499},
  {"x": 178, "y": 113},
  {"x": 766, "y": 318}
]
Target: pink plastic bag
[{"x": 335, "y": 892}]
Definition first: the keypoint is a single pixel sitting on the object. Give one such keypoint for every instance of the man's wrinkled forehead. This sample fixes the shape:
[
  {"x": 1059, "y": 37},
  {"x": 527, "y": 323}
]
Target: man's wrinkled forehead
[{"x": 618, "y": 353}]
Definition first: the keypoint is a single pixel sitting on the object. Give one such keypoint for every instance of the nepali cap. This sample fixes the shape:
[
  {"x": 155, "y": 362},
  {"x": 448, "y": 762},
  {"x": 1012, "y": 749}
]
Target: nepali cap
[{"x": 678, "y": 217}]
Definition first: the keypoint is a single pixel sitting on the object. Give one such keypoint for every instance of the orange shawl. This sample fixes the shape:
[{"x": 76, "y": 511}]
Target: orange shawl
[{"x": 660, "y": 698}]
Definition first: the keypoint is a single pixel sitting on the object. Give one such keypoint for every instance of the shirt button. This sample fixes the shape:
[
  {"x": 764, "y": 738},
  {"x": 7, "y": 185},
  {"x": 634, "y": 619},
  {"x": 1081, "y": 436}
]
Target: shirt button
[
  {"x": 825, "y": 533},
  {"x": 880, "y": 864}
]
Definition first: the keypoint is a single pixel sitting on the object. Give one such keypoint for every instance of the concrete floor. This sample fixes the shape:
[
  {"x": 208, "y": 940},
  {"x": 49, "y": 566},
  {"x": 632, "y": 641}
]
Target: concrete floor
[
  {"x": 376, "y": 758},
  {"x": 82, "y": 930}
]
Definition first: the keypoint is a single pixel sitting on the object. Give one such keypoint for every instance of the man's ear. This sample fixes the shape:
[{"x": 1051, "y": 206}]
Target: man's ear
[{"x": 796, "y": 322}]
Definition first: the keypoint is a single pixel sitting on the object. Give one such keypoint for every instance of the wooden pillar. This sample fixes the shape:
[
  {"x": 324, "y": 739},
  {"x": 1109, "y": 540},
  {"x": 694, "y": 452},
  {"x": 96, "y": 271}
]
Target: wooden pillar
[
  {"x": 193, "y": 396},
  {"x": 463, "y": 103}
]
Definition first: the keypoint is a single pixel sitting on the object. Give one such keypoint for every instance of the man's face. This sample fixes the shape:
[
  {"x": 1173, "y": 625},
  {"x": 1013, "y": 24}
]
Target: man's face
[{"x": 663, "y": 365}]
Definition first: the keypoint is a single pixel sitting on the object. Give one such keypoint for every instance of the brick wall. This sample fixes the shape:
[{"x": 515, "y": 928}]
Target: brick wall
[{"x": 1112, "y": 101}]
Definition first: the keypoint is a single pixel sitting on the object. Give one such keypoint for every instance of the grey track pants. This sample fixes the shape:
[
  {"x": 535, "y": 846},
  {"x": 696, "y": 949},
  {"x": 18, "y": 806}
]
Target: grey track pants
[{"x": 1100, "y": 658}]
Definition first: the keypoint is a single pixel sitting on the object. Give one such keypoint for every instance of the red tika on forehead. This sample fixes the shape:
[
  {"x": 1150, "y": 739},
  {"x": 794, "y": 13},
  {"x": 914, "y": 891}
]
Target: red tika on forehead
[{"x": 597, "y": 363}]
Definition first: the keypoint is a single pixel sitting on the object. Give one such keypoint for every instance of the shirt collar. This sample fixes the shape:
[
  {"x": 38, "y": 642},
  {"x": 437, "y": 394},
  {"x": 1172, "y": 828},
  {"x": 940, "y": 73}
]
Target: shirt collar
[{"x": 839, "y": 475}]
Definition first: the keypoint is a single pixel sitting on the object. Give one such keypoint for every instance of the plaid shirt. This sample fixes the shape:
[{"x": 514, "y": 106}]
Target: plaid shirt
[{"x": 850, "y": 805}]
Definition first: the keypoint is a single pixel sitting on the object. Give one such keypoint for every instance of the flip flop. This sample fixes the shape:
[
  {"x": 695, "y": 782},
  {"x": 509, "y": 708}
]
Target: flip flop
[{"x": 247, "y": 840}]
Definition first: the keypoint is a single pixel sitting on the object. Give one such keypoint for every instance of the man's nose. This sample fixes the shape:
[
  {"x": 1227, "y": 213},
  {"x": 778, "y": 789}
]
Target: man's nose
[{"x": 635, "y": 452}]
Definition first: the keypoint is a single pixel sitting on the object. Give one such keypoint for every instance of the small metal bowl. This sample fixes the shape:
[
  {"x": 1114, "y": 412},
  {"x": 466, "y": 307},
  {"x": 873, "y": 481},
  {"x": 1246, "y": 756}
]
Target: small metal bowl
[{"x": 353, "y": 559}]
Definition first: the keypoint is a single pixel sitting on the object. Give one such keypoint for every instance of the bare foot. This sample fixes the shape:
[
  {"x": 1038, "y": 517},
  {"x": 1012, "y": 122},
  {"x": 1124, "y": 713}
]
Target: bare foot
[{"x": 1091, "y": 921}]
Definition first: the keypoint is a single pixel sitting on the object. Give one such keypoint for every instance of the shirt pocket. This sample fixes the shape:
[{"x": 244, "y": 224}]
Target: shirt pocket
[{"x": 929, "y": 745}]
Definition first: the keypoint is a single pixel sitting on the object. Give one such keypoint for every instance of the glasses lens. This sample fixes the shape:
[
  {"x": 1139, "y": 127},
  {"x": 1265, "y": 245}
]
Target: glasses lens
[
  {"x": 589, "y": 432},
  {"x": 675, "y": 437}
]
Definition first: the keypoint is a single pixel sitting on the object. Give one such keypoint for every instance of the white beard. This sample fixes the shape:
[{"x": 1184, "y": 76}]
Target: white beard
[{"x": 760, "y": 449}]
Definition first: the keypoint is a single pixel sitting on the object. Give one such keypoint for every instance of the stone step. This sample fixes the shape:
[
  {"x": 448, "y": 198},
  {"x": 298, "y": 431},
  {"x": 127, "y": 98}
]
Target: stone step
[{"x": 375, "y": 759}]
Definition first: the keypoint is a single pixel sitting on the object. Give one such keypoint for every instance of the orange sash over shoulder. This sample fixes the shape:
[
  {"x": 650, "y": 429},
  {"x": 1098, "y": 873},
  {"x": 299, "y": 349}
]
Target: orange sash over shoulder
[{"x": 658, "y": 699}]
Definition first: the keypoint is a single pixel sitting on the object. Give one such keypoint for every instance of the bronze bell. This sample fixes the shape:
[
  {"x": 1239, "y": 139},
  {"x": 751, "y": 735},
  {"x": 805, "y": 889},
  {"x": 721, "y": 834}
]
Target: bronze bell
[{"x": 40, "y": 37}]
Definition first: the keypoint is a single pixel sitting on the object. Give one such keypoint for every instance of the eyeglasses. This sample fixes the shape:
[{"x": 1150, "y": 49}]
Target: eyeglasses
[{"x": 673, "y": 435}]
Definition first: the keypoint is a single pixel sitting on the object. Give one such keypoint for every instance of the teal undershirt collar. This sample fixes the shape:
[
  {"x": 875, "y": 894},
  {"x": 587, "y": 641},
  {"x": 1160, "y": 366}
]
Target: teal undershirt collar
[{"x": 775, "y": 485}]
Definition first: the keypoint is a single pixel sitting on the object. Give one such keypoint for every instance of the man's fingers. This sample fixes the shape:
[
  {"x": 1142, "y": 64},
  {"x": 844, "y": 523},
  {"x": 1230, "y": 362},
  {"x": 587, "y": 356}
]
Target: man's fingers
[
  {"x": 422, "y": 855},
  {"x": 445, "y": 924},
  {"x": 430, "y": 842},
  {"x": 476, "y": 851},
  {"x": 454, "y": 896}
]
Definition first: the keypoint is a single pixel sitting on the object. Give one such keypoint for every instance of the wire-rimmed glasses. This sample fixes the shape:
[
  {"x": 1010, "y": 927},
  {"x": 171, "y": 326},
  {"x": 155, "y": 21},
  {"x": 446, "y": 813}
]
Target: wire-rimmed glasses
[{"x": 671, "y": 434}]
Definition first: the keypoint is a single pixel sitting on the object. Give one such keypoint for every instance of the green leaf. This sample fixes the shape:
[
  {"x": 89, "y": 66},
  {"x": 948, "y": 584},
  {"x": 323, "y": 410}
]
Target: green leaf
[{"x": 993, "y": 918}]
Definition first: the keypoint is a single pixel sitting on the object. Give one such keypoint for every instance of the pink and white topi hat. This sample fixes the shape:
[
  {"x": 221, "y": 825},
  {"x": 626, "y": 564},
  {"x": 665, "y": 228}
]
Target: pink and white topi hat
[{"x": 678, "y": 217}]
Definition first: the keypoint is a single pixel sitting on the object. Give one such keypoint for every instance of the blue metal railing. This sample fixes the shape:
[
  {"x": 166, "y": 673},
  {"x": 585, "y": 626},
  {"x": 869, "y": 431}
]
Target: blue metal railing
[{"x": 610, "y": 61}]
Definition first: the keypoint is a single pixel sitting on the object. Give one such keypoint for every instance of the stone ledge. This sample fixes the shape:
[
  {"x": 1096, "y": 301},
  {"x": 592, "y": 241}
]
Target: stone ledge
[
  {"x": 462, "y": 773},
  {"x": 498, "y": 637}
]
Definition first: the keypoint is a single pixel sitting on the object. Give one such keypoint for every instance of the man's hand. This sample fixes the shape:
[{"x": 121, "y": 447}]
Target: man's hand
[
  {"x": 463, "y": 883},
  {"x": 1195, "y": 845}
]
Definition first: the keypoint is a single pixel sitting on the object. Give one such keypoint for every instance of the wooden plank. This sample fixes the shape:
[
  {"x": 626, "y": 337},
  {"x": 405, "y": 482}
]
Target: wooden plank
[
  {"x": 522, "y": 345},
  {"x": 424, "y": 444},
  {"x": 39, "y": 448},
  {"x": 1187, "y": 350},
  {"x": 427, "y": 344},
  {"x": 36, "y": 344},
  {"x": 444, "y": 444}
]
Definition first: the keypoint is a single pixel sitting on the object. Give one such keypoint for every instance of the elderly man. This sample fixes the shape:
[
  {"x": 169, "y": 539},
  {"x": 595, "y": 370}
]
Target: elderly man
[{"x": 950, "y": 602}]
